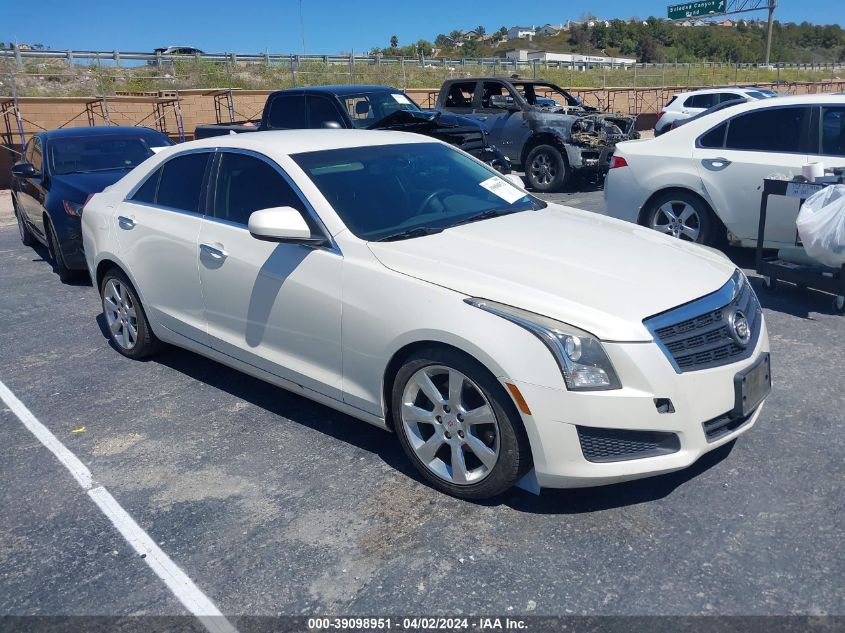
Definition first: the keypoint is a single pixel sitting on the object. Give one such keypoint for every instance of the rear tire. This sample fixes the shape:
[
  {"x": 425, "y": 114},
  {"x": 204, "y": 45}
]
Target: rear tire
[
  {"x": 65, "y": 274},
  {"x": 471, "y": 443},
  {"x": 26, "y": 237},
  {"x": 126, "y": 321},
  {"x": 682, "y": 215},
  {"x": 546, "y": 169}
]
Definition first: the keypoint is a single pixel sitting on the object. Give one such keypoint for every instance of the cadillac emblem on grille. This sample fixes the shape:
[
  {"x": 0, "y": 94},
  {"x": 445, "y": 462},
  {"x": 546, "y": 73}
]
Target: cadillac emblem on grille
[{"x": 738, "y": 327}]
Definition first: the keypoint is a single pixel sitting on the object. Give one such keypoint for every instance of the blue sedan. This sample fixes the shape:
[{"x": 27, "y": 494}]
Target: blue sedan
[{"x": 60, "y": 170}]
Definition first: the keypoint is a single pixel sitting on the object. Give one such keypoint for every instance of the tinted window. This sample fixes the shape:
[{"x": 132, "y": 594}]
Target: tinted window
[
  {"x": 770, "y": 130},
  {"x": 246, "y": 184},
  {"x": 287, "y": 112},
  {"x": 715, "y": 137},
  {"x": 181, "y": 182},
  {"x": 833, "y": 131},
  {"x": 460, "y": 95},
  {"x": 147, "y": 191},
  {"x": 321, "y": 110},
  {"x": 726, "y": 96},
  {"x": 381, "y": 190},
  {"x": 699, "y": 101}
]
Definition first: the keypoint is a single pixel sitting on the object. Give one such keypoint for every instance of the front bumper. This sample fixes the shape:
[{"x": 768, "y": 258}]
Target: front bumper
[{"x": 646, "y": 373}]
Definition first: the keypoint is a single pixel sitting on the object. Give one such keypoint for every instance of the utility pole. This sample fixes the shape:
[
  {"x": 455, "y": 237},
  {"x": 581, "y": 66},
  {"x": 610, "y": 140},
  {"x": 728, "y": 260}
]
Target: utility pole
[{"x": 769, "y": 34}]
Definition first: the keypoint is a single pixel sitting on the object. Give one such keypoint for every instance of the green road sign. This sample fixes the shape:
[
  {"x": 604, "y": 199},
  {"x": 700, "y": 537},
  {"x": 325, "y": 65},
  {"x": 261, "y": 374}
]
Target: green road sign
[{"x": 695, "y": 9}]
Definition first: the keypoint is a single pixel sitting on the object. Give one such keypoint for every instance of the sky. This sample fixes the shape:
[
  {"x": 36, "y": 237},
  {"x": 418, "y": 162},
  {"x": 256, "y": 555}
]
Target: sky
[{"x": 322, "y": 27}]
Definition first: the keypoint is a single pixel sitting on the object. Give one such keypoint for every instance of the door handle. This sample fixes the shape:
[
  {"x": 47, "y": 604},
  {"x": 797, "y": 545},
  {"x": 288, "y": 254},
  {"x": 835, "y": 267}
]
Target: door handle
[
  {"x": 125, "y": 223},
  {"x": 216, "y": 253},
  {"x": 715, "y": 164}
]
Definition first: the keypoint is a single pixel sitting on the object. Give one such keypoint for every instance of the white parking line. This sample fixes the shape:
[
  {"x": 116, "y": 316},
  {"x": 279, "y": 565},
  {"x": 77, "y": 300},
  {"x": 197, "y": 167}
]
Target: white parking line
[{"x": 160, "y": 563}]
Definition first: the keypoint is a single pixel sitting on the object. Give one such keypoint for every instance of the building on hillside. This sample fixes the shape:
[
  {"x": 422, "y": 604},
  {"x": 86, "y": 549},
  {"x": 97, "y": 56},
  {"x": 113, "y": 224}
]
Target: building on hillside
[
  {"x": 576, "y": 60},
  {"x": 551, "y": 29},
  {"x": 726, "y": 23},
  {"x": 521, "y": 32}
]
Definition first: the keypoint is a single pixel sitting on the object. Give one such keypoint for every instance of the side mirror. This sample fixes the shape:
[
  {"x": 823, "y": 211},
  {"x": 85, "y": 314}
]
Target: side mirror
[
  {"x": 281, "y": 224},
  {"x": 502, "y": 102},
  {"x": 25, "y": 170},
  {"x": 331, "y": 125},
  {"x": 578, "y": 101},
  {"x": 514, "y": 180}
]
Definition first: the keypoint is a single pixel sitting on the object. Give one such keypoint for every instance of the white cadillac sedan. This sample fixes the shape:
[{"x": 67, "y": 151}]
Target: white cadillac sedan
[{"x": 399, "y": 280}]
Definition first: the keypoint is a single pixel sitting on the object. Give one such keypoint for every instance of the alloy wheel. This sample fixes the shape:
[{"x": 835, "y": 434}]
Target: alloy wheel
[
  {"x": 543, "y": 168},
  {"x": 450, "y": 425},
  {"x": 120, "y": 314},
  {"x": 678, "y": 219}
]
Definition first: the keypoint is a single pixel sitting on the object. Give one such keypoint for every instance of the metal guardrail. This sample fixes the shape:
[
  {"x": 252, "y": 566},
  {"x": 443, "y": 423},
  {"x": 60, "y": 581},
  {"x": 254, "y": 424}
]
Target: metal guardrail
[{"x": 117, "y": 57}]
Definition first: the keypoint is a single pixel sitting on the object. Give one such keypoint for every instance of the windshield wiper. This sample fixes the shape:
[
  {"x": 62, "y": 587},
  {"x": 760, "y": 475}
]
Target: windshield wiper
[
  {"x": 484, "y": 215},
  {"x": 418, "y": 231}
]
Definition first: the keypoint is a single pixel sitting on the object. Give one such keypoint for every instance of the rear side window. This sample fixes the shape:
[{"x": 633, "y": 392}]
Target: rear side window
[
  {"x": 714, "y": 138},
  {"x": 180, "y": 183},
  {"x": 246, "y": 184},
  {"x": 287, "y": 112},
  {"x": 726, "y": 96},
  {"x": 770, "y": 130},
  {"x": 833, "y": 131},
  {"x": 699, "y": 101},
  {"x": 147, "y": 191},
  {"x": 671, "y": 101}
]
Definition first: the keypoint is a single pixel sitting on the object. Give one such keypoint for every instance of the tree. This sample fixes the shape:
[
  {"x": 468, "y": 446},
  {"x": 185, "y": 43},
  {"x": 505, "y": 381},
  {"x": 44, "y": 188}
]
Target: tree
[
  {"x": 503, "y": 31},
  {"x": 480, "y": 30},
  {"x": 471, "y": 49},
  {"x": 394, "y": 42},
  {"x": 424, "y": 48},
  {"x": 441, "y": 40}
]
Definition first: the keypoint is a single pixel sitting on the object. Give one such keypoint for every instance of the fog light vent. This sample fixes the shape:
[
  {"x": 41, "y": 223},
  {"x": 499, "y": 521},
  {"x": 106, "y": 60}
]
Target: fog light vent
[{"x": 616, "y": 445}]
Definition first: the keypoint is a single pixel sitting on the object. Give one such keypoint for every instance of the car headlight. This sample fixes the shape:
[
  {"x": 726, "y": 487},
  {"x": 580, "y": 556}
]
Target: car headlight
[{"x": 580, "y": 355}]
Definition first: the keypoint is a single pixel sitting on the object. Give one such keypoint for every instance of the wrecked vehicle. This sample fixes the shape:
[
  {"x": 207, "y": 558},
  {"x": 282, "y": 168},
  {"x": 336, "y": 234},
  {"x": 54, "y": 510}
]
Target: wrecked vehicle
[
  {"x": 368, "y": 108},
  {"x": 549, "y": 143}
]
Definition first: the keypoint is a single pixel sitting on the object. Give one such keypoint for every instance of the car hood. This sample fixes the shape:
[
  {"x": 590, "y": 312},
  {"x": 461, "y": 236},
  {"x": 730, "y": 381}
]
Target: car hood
[
  {"x": 423, "y": 119},
  {"x": 80, "y": 185},
  {"x": 596, "y": 273}
]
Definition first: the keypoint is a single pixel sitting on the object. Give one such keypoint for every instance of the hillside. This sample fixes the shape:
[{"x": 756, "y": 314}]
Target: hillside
[{"x": 656, "y": 40}]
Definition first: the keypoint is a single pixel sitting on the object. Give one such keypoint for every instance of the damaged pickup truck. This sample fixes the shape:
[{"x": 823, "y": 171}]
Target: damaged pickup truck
[
  {"x": 368, "y": 108},
  {"x": 549, "y": 141}
]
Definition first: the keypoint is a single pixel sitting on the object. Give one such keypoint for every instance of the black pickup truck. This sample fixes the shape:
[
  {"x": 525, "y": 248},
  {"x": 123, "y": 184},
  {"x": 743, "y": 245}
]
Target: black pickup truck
[
  {"x": 539, "y": 126},
  {"x": 369, "y": 108}
]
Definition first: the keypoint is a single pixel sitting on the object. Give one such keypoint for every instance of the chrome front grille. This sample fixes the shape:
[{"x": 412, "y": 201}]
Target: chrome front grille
[{"x": 698, "y": 335}]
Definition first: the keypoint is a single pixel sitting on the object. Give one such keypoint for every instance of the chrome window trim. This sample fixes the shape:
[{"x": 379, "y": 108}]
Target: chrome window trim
[
  {"x": 142, "y": 182},
  {"x": 698, "y": 145},
  {"x": 331, "y": 245}
]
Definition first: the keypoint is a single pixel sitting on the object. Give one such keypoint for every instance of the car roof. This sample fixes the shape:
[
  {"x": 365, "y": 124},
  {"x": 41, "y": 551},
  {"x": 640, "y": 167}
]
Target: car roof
[
  {"x": 706, "y": 91},
  {"x": 510, "y": 80},
  {"x": 97, "y": 130},
  {"x": 340, "y": 90},
  {"x": 286, "y": 142}
]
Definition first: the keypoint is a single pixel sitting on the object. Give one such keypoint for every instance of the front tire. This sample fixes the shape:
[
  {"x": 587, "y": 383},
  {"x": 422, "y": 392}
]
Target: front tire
[
  {"x": 457, "y": 425},
  {"x": 546, "y": 169},
  {"x": 126, "y": 321},
  {"x": 681, "y": 215}
]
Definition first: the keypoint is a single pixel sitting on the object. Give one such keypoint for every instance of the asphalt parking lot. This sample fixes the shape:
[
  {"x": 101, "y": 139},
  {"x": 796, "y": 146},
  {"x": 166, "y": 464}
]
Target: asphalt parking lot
[{"x": 275, "y": 505}]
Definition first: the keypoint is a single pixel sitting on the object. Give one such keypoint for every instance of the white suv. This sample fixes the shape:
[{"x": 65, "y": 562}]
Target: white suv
[
  {"x": 687, "y": 104},
  {"x": 702, "y": 182}
]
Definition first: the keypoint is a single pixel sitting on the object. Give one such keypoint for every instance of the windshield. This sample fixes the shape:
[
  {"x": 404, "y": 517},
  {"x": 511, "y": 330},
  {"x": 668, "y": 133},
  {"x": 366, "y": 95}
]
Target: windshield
[
  {"x": 384, "y": 191},
  {"x": 80, "y": 154},
  {"x": 367, "y": 108}
]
